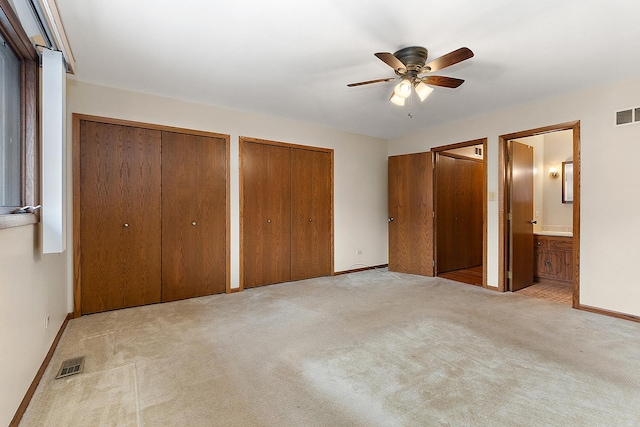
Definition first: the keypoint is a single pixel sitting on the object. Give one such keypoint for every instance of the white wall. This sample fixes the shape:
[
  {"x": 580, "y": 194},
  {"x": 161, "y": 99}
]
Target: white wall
[
  {"x": 610, "y": 231},
  {"x": 32, "y": 287},
  {"x": 558, "y": 148},
  {"x": 360, "y": 170}
]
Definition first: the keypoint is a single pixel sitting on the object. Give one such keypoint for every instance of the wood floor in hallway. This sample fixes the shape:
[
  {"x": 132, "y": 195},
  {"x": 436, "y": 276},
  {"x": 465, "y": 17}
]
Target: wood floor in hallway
[
  {"x": 471, "y": 276},
  {"x": 562, "y": 293}
]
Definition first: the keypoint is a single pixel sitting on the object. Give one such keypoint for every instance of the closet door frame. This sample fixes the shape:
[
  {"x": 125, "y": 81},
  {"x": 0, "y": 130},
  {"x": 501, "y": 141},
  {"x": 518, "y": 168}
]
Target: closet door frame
[
  {"x": 77, "y": 250},
  {"x": 244, "y": 139}
]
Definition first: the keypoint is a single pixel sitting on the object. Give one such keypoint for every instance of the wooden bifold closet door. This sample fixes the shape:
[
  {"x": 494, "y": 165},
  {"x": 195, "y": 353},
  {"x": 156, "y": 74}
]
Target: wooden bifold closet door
[
  {"x": 120, "y": 211},
  {"x": 194, "y": 176},
  {"x": 150, "y": 214},
  {"x": 266, "y": 230},
  {"x": 311, "y": 214},
  {"x": 459, "y": 213},
  {"x": 286, "y": 213}
]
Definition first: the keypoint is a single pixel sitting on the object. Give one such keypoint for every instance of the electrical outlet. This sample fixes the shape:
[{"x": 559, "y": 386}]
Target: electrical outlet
[
  {"x": 46, "y": 322},
  {"x": 359, "y": 252}
]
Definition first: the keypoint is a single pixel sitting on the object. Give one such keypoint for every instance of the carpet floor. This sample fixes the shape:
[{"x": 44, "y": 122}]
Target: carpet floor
[{"x": 372, "y": 348}]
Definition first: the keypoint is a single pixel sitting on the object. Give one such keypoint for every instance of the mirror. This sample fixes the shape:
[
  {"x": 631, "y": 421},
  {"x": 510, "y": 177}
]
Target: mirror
[{"x": 567, "y": 182}]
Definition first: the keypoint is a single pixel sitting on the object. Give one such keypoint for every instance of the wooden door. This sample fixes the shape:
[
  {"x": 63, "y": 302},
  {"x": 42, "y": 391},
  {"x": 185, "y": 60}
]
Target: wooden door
[
  {"x": 446, "y": 214},
  {"x": 521, "y": 227},
  {"x": 311, "y": 206},
  {"x": 411, "y": 214},
  {"x": 459, "y": 213},
  {"x": 194, "y": 175},
  {"x": 120, "y": 255},
  {"x": 266, "y": 214},
  {"x": 469, "y": 213}
]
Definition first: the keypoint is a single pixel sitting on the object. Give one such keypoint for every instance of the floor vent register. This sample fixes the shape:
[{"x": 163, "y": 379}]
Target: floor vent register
[{"x": 71, "y": 367}]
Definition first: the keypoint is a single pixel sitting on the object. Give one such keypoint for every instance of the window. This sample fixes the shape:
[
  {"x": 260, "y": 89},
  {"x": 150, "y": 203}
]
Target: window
[
  {"x": 18, "y": 119},
  {"x": 10, "y": 164}
]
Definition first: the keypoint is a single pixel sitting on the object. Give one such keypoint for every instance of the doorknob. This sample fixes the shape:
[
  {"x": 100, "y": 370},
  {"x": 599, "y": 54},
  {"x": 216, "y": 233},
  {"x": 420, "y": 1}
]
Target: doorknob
[
  {"x": 125, "y": 225},
  {"x": 193, "y": 223},
  {"x": 533, "y": 222},
  {"x": 390, "y": 219}
]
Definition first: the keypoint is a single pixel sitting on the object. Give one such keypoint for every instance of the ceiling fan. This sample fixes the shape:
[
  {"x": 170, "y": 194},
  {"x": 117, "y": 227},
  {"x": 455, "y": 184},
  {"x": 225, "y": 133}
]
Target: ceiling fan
[{"x": 410, "y": 65}]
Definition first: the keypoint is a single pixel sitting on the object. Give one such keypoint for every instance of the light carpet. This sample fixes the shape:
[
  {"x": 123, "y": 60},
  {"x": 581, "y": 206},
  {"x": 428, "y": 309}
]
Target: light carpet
[{"x": 372, "y": 348}]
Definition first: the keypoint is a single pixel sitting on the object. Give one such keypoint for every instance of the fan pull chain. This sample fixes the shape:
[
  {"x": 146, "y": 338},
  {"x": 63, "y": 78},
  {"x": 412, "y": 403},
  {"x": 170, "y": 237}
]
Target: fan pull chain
[{"x": 410, "y": 114}]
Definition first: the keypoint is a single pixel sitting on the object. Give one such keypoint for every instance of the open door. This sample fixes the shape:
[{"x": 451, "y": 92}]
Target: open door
[
  {"x": 521, "y": 223},
  {"x": 411, "y": 214}
]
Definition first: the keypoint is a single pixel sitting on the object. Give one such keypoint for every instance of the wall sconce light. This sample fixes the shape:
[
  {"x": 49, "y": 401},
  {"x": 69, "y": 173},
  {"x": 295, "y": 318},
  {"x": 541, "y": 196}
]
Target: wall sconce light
[{"x": 553, "y": 172}]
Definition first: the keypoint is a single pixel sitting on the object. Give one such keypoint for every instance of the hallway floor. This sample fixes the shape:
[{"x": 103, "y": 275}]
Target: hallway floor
[{"x": 555, "y": 293}]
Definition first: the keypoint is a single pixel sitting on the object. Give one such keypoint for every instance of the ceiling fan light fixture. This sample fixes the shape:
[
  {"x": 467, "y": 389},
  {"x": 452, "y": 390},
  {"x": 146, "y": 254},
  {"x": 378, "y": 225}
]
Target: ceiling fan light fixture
[
  {"x": 398, "y": 100},
  {"x": 423, "y": 90},
  {"x": 403, "y": 89}
]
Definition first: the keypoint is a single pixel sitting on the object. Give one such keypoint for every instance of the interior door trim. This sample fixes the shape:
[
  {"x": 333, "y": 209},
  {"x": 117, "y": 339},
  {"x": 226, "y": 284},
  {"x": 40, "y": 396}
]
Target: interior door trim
[{"x": 503, "y": 205}]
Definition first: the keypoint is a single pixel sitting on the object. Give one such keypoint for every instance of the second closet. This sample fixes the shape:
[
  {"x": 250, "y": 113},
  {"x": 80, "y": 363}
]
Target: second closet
[{"x": 286, "y": 212}]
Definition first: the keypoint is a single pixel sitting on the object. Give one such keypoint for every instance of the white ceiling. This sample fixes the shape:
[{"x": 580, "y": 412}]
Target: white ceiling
[{"x": 294, "y": 58}]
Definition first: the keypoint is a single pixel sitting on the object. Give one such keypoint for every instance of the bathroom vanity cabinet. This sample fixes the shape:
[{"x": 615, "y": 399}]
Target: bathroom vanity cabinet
[{"x": 553, "y": 257}]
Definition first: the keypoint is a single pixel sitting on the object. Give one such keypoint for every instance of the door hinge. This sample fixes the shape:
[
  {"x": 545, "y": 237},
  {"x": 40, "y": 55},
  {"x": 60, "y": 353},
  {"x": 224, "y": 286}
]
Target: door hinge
[
  {"x": 509, "y": 275},
  {"x": 510, "y": 216},
  {"x": 433, "y": 263},
  {"x": 434, "y": 214}
]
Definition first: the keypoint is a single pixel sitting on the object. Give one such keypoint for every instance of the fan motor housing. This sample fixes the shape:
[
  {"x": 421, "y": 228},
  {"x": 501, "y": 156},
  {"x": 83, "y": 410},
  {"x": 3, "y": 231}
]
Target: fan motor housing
[{"x": 413, "y": 57}]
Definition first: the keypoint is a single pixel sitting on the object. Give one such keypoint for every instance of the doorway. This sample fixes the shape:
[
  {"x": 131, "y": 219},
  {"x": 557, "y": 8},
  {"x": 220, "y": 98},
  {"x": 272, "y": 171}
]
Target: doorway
[
  {"x": 534, "y": 250},
  {"x": 460, "y": 209}
]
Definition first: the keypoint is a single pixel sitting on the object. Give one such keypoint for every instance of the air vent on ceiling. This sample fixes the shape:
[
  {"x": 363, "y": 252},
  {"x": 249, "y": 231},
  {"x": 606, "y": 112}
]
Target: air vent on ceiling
[{"x": 628, "y": 116}]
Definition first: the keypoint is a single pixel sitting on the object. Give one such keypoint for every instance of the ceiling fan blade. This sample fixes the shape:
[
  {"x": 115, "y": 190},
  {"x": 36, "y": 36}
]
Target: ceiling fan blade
[
  {"x": 442, "y": 81},
  {"x": 449, "y": 59},
  {"x": 370, "y": 81},
  {"x": 392, "y": 62}
]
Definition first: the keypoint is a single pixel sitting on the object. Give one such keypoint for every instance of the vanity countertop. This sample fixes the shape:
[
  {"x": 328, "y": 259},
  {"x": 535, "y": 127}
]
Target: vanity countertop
[{"x": 554, "y": 233}]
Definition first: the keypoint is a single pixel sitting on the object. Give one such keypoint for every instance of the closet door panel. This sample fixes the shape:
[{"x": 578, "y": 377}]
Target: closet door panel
[
  {"x": 101, "y": 210},
  {"x": 141, "y": 243},
  {"x": 266, "y": 214},
  {"x": 311, "y": 214},
  {"x": 120, "y": 216},
  {"x": 468, "y": 201},
  {"x": 193, "y": 216},
  {"x": 475, "y": 218},
  {"x": 278, "y": 222},
  {"x": 446, "y": 214},
  {"x": 254, "y": 213}
]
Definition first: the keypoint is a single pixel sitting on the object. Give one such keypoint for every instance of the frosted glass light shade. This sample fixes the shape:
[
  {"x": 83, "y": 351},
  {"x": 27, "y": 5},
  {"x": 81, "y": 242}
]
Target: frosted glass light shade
[
  {"x": 423, "y": 91},
  {"x": 396, "y": 99},
  {"x": 403, "y": 89}
]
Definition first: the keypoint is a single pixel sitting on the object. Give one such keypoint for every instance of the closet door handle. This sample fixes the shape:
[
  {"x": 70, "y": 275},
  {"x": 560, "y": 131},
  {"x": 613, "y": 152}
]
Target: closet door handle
[
  {"x": 310, "y": 219},
  {"x": 390, "y": 219},
  {"x": 125, "y": 225},
  {"x": 193, "y": 223},
  {"x": 533, "y": 222},
  {"x": 269, "y": 221}
]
